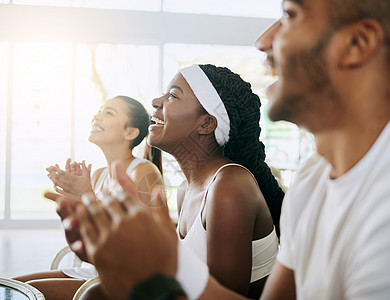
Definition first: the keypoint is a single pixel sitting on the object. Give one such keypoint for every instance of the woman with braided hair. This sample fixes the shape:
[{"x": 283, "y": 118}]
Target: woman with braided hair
[{"x": 208, "y": 119}]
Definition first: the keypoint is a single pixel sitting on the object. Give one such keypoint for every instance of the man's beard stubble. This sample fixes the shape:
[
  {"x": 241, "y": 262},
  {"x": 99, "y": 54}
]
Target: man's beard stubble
[{"x": 311, "y": 65}]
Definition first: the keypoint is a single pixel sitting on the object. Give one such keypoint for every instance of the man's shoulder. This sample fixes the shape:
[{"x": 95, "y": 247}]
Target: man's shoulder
[
  {"x": 308, "y": 183},
  {"x": 308, "y": 177}
]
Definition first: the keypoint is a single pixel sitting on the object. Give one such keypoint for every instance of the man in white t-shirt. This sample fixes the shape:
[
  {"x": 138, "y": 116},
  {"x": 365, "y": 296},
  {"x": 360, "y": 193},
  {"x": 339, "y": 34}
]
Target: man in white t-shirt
[{"x": 332, "y": 59}]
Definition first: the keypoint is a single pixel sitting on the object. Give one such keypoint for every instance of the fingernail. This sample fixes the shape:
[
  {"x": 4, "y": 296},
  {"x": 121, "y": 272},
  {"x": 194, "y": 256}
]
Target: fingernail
[
  {"x": 76, "y": 246},
  {"x": 66, "y": 223},
  {"x": 86, "y": 199},
  {"x": 106, "y": 198},
  {"x": 120, "y": 195},
  {"x": 101, "y": 195}
]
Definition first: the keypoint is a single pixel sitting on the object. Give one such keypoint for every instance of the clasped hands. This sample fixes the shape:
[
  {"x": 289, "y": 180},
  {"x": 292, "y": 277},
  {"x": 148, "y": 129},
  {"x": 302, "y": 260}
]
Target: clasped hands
[
  {"x": 126, "y": 240},
  {"x": 74, "y": 181}
]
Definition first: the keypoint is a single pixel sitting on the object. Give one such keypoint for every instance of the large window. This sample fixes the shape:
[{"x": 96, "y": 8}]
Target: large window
[
  {"x": 246, "y": 8},
  {"x": 41, "y": 117},
  {"x": 3, "y": 125},
  {"x": 150, "y": 5},
  {"x": 103, "y": 71},
  {"x": 55, "y": 73}
]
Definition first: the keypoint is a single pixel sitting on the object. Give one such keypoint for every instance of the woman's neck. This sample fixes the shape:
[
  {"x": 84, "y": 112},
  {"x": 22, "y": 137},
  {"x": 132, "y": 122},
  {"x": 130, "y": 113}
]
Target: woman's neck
[
  {"x": 123, "y": 155},
  {"x": 198, "y": 168}
]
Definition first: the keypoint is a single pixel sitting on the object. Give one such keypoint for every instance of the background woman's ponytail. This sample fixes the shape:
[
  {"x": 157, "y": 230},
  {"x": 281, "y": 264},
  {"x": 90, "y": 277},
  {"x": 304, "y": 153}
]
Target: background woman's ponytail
[
  {"x": 154, "y": 155},
  {"x": 140, "y": 118}
]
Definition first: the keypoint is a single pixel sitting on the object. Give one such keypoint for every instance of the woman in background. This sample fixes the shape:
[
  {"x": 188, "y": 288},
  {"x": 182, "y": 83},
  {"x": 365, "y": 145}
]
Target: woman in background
[
  {"x": 208, "y": 119},
  {"x": 120, "y": 125}
]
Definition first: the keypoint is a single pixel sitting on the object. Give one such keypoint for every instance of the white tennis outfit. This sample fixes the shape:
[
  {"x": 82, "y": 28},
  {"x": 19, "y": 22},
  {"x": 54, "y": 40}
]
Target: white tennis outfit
[
  {"x": 264, "y": 250},
  {"x": 104, "y": 182}
]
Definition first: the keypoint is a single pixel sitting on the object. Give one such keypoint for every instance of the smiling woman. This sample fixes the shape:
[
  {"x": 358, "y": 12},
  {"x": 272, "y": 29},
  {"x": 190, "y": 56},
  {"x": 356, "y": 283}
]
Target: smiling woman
[
  {"x": 208, "y": 119},
  {"x": 119, "y": 126}
]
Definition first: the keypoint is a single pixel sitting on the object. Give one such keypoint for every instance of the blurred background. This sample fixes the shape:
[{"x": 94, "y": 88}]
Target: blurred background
[{"x": 60, "y": 59}]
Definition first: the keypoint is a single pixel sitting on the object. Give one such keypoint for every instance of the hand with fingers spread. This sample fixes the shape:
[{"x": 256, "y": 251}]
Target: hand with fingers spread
[
  {"x": 74, "y": 181},
  {"x": 66, "y": 209},
  {"x": 125, "y": 239},
  {"x": 73, "y": 168}
]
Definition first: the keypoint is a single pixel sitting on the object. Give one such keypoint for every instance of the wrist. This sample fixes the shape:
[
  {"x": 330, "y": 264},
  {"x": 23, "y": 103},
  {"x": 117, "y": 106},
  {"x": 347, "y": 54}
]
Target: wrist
[{"x": 157, "y": 287}]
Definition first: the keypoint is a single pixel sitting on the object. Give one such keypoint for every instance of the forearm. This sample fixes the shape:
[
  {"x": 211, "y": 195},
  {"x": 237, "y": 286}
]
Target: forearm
[
  {"x": 214, "y": 290},
  {"x": 195, "y": 280}
]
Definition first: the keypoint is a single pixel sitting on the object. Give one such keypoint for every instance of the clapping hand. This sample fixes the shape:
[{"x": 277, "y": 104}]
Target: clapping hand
[
  {"x": 126, "y": 240},
  {"x": 74, "y": 181}
]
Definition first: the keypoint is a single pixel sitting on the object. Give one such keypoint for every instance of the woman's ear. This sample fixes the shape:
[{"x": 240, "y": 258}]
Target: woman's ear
[
  {"x": 131, "y": 133},
  {"x": 208, "y": 125},
  {"x": 362, "y": 40}
]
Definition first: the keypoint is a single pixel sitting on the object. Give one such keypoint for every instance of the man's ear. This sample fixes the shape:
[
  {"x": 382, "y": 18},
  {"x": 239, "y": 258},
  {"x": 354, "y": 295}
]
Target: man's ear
[
  {"x": 131, "y": 133},
  {"x": 208, "y": 125},
  {"x": 362, "y": 40}
]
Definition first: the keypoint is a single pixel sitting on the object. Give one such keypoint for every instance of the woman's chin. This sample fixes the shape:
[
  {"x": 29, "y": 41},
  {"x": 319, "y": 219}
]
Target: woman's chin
[
  {"x": 93, "y": 140},
  {"x": 151, "y": 141}
]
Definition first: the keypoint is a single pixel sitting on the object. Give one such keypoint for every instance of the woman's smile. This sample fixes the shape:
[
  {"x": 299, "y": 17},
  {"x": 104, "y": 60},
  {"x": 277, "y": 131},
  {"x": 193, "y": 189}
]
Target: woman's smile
[{"x": 158, "y": 123}]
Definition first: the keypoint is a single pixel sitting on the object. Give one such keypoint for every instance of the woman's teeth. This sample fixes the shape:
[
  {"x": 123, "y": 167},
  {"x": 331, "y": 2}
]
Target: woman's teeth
[
  {"x": 96, "y": 128},
  {"x": 157, "y": 121}
]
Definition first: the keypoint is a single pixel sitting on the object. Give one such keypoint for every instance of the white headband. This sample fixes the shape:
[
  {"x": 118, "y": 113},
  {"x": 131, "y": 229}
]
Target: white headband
[{"x": 209, "y": 99}]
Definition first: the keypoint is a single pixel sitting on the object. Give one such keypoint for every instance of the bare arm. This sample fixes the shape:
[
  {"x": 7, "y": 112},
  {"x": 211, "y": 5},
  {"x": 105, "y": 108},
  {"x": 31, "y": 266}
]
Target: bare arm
[
  {"x": 280, "y": 284},
  {"x": 146, "y": 177},
  {"x": 215, "y": 290},
  {"x": 230, "y": 214}
]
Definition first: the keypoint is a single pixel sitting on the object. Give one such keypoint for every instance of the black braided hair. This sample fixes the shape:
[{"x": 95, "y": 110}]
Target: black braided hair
[
  {"x": 244, "y": 146},
  {"x": 140, "y": 118}
]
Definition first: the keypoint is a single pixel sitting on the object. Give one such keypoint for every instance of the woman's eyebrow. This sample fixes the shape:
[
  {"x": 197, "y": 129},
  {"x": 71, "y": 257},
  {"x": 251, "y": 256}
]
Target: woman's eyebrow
[
  {"x": 109, "y": 107},
  {"x": 177, "y": 87},
  {"x": 296, "y": 1}
]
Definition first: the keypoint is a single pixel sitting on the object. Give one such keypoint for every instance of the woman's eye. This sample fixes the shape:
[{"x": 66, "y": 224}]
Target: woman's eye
[{"x": 172, "y": 96}]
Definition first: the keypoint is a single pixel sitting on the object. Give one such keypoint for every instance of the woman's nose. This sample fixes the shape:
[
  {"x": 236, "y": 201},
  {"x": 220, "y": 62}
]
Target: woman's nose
[
  {"x": 96, "y": 116},
  {"x": 157, "y": 102}
]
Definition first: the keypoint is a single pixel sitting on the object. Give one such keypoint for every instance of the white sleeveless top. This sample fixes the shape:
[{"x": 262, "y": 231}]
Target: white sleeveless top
[
  {"x": 264, "y": 250},
  {"x": 104, "y": 182}
]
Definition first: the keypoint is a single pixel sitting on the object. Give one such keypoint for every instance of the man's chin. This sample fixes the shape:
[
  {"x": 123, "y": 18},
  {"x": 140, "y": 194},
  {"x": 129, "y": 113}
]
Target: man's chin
[{"x": 277, "y": 111}]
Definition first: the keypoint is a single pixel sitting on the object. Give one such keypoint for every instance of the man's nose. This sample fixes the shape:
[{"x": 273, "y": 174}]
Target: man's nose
[{"x": 265, "y": 40}]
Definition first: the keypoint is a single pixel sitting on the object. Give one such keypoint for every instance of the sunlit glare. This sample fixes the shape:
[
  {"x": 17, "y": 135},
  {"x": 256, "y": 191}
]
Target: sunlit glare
[{"x": 50, "y": 90}]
